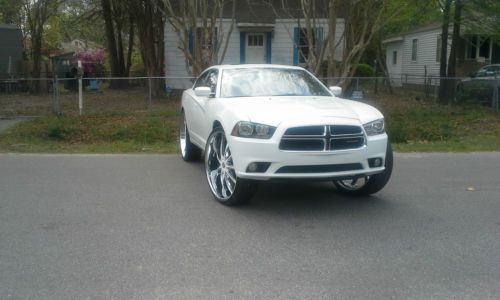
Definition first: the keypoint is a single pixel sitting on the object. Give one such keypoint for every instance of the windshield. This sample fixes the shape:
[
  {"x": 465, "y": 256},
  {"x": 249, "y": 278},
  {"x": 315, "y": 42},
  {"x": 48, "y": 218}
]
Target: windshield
[{"x": 270, "y": 82}]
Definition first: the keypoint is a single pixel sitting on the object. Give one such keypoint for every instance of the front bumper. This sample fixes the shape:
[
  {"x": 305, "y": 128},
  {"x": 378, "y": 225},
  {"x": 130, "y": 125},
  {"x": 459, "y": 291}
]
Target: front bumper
[{"x": 302, "y": 164}]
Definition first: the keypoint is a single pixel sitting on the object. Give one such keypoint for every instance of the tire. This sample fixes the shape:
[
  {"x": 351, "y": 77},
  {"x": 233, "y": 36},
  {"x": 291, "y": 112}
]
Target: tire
[
  {"x": 372, "y": 183},
  {"x": 225, "y": 186},
  {"x": 189, "y": 151}
]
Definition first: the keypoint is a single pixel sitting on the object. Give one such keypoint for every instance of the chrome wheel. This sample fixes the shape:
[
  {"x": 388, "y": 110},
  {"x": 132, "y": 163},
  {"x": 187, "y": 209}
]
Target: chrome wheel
[
  {"x": 219, "y": 166},
  {"x": 182, "y": 136},
  {"x": 353, "y": 184}
]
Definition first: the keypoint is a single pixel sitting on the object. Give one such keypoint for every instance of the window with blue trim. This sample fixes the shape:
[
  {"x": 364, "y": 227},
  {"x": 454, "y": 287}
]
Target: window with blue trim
[{"x": 301, "y": 41}]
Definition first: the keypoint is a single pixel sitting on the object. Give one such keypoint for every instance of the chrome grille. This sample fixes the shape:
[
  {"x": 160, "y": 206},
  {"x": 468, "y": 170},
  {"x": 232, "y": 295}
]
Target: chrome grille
[{"x": 323, "y": 138}]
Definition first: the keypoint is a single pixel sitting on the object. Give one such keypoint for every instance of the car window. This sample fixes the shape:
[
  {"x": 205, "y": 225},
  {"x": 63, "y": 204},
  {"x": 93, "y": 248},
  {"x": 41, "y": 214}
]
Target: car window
[
  {"x": 202, "y": 80},
  {"x": 209, "y": 79},
  {"x": 212, "y": 80},
  {"x": 248, "y": 82},
  {"x": 495, "y": 69},
  {"x": 489, "y": 71}
]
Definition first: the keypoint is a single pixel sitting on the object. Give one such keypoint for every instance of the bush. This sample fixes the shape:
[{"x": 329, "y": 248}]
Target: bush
[
  {"x": 364, "y": 70},
  {"x": 61, "y": 128},
  {"x": 421, "y": 125}
]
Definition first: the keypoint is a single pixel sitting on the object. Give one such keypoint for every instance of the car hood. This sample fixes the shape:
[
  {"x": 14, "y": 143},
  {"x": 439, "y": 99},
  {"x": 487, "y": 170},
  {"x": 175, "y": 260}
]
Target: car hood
[{"x": 274, "y": 110}]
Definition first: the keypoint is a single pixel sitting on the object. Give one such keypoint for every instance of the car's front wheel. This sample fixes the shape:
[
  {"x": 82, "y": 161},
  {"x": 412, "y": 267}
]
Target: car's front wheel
[
  {"x": 226, "y": 187},
  {"x": 367, "y": 185}
]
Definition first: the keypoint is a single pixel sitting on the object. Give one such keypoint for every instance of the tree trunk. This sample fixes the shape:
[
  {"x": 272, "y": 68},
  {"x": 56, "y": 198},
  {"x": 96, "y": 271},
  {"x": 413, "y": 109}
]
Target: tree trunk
[
  {"x": 131, "y": 36},
  {"x": 332, "y": 28},
  {"x": 114, "y": 20},
  {"x": 150, "y": 24},
  {"x": 36, "y": 55},
  {"x": 444, "y": 49},
  {"x": 382, "y": 63},
  {"x": 452, "y": 62},
  {"x": 110, "y": 37}
]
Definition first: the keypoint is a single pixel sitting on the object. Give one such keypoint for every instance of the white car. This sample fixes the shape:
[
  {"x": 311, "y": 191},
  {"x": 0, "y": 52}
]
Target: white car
[{"x": 264, "y": 122}]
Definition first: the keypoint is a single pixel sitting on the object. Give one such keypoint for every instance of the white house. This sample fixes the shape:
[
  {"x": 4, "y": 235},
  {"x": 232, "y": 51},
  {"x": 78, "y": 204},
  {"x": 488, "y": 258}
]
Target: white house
[
  {"x": 415, "y": 55},
  {"x": 259, "y": 36}
]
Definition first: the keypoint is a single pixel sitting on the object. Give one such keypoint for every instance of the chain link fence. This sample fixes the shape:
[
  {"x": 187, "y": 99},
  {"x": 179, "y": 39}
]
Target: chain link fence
[
  {"x": 457, "y": 91},
  {"x": 36, "y": 97},
  {"x": 44, "y": 96}
]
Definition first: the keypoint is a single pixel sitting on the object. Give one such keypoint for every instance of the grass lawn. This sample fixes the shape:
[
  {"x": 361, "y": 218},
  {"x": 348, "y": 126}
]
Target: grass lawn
[
  {"x": 413, "y": 125},
  {"x": 419, "y": 126},
  {"x": 104, "y": 133}
]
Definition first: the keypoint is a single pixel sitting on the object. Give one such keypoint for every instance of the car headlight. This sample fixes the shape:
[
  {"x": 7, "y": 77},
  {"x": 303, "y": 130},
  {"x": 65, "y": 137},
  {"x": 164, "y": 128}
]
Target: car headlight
[
  {"x": 375, "y": 127},
  {"x": 253, "y": 130}
]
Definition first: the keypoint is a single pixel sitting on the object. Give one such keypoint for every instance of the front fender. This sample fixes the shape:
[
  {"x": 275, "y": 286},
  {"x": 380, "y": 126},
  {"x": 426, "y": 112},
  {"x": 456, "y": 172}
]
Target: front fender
[{"x": 220, "y": 112}]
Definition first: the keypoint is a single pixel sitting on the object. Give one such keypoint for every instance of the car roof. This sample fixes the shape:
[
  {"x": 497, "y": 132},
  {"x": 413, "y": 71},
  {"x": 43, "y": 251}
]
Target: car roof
[{"x": 255, "y": 66}]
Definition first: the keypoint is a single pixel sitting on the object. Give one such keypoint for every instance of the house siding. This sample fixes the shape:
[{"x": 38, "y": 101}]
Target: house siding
[
  {"x": 414, "y": 72},
  {"x": 395, "y": 70},
  {"x": 175, "y": 63},
  {"x": 283, "y": 42},
  {"x": 282, "y": 48}
]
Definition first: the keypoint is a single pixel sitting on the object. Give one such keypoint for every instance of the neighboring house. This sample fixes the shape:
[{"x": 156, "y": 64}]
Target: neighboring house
[
  {"x": 79, "y": 45},
  {"x": 260, "y": 35},
  {"x": 11, "y": 50},
  {"x": 414, "y": 56},
  {"x": 64, "y": 61}
]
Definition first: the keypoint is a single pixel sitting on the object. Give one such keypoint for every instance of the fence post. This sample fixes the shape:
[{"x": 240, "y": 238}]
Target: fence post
[
  {"x": 58, "y": 99},
  {"x": 54, "y": 100},
  {"x": 494, "y": 103},
  {"x": 80, "y": 88},
  {"x": 150, "y": 104},
  {"x": 56, "y": 105}
]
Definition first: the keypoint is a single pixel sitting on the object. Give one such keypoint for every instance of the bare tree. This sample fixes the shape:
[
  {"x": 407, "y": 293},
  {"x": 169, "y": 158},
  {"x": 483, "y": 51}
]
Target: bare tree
[
  {"x": 36, "y": 14},
  {"x": 364, "y": 20},
  {"x": 444, "y": 51},
  {"x": 332, "y": 28},
  {"x": 199, "y": 26},
  {"x": 119, "y": 28},
  {"x": 150, "y": 21},
  {"x": 452, "y": 60},
  {"x": 311, "y": 47}
]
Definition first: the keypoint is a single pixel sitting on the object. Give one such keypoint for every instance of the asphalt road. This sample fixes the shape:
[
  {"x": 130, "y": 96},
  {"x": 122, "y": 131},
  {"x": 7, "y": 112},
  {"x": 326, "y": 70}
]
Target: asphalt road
[{"x": 145, "y": 227}]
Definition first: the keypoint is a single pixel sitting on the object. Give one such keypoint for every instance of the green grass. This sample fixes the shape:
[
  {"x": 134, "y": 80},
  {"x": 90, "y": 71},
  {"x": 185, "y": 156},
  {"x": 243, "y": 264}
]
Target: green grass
[
  {"x": 104, "y": 133},
  {"x": 444, "y": 129},
  {"x": 413, "y": 126}
]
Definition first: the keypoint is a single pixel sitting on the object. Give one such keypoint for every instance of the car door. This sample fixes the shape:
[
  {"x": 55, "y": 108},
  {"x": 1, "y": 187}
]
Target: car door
[
  {"x": 199, "y": 120},
  {"x": 476, "y": 87},
  {"x": 484, "y": 83}
]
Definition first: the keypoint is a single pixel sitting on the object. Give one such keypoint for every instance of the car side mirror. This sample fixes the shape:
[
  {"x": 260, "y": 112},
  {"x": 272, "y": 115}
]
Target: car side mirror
[
  {"x": 336, "y": 90},
  {"x": 202, "y": 91}
]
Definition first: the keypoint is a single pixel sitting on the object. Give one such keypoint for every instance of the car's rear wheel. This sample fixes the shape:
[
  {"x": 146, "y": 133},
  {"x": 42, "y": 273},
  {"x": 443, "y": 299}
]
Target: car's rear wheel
[
  {"x": 226, "y": 187},
  {"x": 189, "y": 151},
  {"x": 367, "y": 185}
]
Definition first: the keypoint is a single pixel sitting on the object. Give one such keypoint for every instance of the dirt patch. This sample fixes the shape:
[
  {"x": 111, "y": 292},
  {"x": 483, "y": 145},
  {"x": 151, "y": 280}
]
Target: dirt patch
[{"x": 5, "y": 124}]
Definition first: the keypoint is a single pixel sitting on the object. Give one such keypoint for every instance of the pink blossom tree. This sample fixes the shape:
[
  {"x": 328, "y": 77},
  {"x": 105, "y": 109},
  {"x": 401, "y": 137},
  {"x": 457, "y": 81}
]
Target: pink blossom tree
[{"x": 92, "y": 62}]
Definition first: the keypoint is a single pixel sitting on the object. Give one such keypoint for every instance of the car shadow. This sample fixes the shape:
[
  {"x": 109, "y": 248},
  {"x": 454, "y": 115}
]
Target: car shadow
[
  {"x": 304, "y": 198},
  {"x": 313, "y": 199}
]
